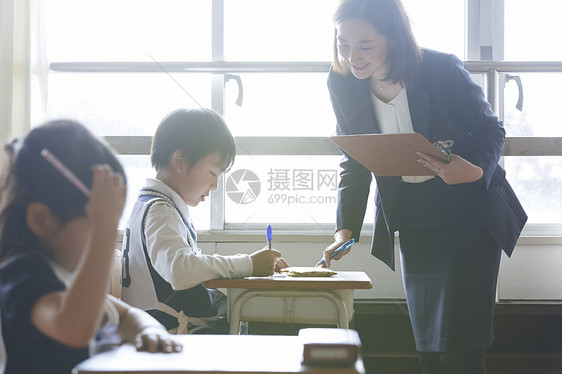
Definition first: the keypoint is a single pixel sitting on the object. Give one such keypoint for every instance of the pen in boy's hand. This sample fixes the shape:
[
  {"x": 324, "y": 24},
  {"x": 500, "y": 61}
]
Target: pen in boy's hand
[
  {"x": 345, "y": 246},
  {"x": 70, "y": 176},
  {"x": 268, "y": 234}
]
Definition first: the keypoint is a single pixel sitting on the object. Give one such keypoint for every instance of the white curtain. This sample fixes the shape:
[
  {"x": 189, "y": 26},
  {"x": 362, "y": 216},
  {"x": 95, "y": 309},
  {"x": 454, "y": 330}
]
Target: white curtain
[
  {"x": 14, "y": 82},
  {"x": 23, "y": 67}
]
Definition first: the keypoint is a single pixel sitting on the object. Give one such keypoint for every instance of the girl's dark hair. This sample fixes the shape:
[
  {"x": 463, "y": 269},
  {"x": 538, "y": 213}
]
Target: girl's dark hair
[
  {"x": 196, "y": 133},
  {"x": 27, "y": 177},
  {"x": 390, "y": 19}
]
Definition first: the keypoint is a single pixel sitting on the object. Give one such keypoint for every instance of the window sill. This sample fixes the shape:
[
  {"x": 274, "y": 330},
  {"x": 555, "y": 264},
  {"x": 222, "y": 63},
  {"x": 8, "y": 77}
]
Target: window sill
[
  {"x": 287, "y": 236},
  {"x": 254, "y": 236}
]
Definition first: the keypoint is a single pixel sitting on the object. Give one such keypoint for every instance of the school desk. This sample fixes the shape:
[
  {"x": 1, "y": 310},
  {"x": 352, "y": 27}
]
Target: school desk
[
  {"x": 225, "y": 354},
  {"x": 282, "y": 298}
]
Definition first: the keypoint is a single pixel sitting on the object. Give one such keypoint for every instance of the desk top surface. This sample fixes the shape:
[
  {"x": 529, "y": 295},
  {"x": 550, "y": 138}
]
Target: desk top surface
[
  {"x": 237, "y": 354},
  {"x": 343, "y": 280}
]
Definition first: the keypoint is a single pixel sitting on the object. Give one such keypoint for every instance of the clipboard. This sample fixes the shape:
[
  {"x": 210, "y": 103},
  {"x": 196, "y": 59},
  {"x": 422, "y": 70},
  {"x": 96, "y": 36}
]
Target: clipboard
[{"x": 389, "y": 154}]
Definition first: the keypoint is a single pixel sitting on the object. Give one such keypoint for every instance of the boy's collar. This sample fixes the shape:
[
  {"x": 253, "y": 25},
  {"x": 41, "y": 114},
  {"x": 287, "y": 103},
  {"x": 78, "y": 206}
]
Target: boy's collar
[{"x": 176, "y": 198}]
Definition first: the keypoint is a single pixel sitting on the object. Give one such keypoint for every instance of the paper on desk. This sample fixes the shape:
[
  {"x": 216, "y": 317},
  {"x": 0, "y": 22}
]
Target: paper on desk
[
  {"x": 307, "y": 271},
  {"x": 276, "y": 275}
]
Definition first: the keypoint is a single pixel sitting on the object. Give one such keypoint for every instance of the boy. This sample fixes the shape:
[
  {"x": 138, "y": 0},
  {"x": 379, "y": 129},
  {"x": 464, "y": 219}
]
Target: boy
[{"x": 163, "y": 269}]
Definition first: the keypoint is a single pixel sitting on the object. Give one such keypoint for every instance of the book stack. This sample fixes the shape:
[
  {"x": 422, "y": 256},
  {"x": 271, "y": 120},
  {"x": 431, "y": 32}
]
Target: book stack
[{"x": 329, "y": 346}]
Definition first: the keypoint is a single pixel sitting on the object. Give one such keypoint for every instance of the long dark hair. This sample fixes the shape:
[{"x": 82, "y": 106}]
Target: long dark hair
[
  {"x": 390, "y": 19},
  {"x": 27, "y": 177}
]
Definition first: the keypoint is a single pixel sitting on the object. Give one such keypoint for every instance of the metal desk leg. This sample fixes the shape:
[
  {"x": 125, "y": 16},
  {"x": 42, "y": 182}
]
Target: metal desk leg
[{"x": 343, "y": 318}]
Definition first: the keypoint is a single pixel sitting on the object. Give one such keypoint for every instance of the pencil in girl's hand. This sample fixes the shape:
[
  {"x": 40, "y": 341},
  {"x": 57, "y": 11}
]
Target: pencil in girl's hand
[{"x": 70, "y": 176}]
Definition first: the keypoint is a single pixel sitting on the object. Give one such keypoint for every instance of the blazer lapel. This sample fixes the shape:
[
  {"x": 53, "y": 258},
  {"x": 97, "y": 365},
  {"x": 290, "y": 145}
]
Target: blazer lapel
[
  {"x": 418, "y": 103},
  {"x": 358, "y": 109}
]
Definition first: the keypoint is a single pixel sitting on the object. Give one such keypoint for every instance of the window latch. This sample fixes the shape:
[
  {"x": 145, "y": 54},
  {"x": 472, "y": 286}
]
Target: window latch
[
  {"x": 517, "y": 80},
  {"x": 227, "y": 78}
]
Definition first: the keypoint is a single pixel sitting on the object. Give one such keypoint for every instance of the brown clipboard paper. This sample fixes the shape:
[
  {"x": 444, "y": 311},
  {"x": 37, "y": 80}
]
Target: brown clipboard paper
[{"x": 389, "y": 154}]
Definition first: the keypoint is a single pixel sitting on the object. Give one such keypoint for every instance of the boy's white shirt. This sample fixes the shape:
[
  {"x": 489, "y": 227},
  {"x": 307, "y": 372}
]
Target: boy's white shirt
[{"x": 179, "y": 263}]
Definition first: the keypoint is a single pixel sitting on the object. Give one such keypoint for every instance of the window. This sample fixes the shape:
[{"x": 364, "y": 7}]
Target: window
[
  {"x": 109, "y": 94},
  {"x": 119, "y": 67},
  {"x": 529, "y": 105},
  {"x": 289, "y": 30},
  {"x": 125, "y": 79},
  {"x": 532, "y": 31},
  {"x": 442, "y": 33}
]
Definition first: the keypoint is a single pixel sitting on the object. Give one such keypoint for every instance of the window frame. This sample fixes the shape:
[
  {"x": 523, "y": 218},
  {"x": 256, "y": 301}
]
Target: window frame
[{"x": 484, "y": 38}]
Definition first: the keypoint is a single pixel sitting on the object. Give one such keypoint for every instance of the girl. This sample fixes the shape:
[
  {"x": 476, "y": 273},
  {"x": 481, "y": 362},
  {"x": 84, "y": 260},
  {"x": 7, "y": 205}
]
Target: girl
[{"x": 56, "y": 248}]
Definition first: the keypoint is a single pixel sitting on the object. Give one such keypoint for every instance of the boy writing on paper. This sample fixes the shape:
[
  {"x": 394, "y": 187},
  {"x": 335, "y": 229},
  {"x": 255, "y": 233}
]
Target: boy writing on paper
[{"x": 163, "y": 269}]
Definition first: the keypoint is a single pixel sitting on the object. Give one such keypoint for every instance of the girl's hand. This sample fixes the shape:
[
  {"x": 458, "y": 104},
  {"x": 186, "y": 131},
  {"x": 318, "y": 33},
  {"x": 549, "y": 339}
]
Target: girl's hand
[
  {"x": 107, "y": 197},
  {"x": 457, "y": 171},
  {"x": 155, "y": 339}
]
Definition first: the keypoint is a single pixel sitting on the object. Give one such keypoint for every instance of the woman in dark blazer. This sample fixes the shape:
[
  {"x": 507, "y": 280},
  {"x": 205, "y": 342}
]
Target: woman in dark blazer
[{"x": 452, "y": 225}]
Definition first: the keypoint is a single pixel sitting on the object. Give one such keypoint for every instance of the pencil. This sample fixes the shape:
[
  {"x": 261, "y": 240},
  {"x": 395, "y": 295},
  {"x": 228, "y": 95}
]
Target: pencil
[{"x": 70, "y": 176}]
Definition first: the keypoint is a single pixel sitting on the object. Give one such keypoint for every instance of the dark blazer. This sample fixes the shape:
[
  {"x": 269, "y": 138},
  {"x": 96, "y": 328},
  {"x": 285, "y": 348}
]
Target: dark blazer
[{"x": 444, "y": 103}]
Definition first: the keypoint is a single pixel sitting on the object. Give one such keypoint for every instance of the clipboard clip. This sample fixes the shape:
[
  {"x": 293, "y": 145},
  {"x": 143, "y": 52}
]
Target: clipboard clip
[{"x": 444, "y": 146}]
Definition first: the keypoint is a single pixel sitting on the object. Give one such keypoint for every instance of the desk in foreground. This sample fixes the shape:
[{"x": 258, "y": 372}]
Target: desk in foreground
[
  {"x": 225, "y": 354},
  {"x": 317, "y": 300}
]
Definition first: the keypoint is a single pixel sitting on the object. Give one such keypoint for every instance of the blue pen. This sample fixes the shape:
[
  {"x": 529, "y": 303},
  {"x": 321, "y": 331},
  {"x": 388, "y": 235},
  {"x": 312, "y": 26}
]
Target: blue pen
[
  {"x": 345, "y": 246},
  {"x": 269, "y": 234}
]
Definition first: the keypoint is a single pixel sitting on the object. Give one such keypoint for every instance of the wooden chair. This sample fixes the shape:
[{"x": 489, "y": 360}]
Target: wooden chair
[
  {"x": 3, "y": 355},
  {"x": 115, "y": 278}
]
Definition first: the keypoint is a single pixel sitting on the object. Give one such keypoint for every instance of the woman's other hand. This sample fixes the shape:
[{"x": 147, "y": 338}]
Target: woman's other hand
[{"x": 457, "y": 171}]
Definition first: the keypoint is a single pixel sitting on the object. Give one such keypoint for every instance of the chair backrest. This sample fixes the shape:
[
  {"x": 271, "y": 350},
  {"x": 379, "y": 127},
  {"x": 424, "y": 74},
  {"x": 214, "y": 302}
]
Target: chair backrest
[
  {"x": 3, "y": 355},
  {"x": 115, "y": 281}
]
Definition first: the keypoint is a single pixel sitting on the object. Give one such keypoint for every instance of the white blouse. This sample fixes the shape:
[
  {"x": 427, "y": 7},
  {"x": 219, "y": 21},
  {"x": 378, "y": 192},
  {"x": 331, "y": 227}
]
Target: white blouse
[{"x": 394, "y": 117}]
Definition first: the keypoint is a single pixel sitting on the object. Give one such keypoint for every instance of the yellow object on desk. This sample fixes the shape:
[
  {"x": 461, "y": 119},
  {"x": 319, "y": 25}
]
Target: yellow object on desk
[{"x": 307, "y": 271}]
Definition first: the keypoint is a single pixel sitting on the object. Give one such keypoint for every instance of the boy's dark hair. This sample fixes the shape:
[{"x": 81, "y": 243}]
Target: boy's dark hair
[
  {"x": 27, "y": 177},
  {"x": 390, "y": 19},
  {"x": 196, "y": 133}
]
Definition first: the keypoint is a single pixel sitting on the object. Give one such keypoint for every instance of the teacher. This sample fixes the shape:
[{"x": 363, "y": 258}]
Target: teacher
[{"x": 453, "y": 224}]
